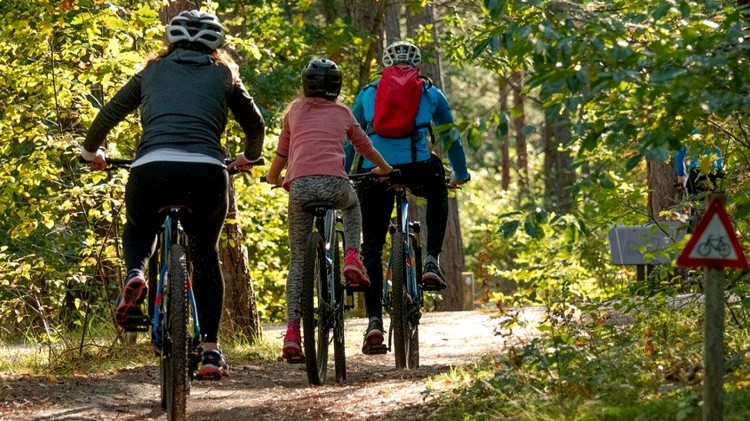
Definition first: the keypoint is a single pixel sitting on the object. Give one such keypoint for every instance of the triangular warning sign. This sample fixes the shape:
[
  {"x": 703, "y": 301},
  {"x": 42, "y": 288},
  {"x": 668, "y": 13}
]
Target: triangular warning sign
[{"x": 714, "y": 243}]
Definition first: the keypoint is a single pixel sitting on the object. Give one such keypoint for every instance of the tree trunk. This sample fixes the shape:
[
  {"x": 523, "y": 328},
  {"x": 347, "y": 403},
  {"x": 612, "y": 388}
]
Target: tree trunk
[
  {"x": 504, "y": 142},
  {"x": 558, "y": 175},
  {"x": 452, "y": 257},
  {"x": 392, "y": 23},
  {"x": 518, "y": 124},
  {"x": 240, "y": 306},
  {"x": 176, "y": 6},
  {"x": 368, "y": 18},
  {"x": 662, "y": 194},
  {"x": 431, "y": 63}
]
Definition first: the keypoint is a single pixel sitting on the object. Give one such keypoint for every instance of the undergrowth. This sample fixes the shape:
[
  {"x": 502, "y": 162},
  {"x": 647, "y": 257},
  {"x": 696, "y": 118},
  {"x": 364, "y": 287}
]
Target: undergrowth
[{"x": 640, "y": 362}]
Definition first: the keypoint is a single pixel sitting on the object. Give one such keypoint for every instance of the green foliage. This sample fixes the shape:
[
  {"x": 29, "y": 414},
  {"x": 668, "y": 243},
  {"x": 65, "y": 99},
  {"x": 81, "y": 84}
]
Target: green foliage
[{"x": 589, "y": 364}]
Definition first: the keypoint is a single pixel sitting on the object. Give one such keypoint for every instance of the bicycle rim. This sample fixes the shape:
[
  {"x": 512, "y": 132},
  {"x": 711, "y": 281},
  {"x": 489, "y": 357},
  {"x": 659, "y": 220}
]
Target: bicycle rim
[
  {"x": 175, "y": 358},
  {"x": 314, "y": 317},
  {"x": 399, "y": 300}
]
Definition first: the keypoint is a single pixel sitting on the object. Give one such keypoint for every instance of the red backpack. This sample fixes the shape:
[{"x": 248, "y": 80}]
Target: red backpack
[{"x": 397, "y": 101}]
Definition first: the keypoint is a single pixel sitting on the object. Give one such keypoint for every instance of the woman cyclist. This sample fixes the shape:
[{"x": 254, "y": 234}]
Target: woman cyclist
[
  {"x": 311, "y": 147},
  {"x": 184, "y": 94}
]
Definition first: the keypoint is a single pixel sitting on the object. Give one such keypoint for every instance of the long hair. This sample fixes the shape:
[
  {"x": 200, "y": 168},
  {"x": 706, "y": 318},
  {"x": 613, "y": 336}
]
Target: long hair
[{"x": 220, "y": 55}]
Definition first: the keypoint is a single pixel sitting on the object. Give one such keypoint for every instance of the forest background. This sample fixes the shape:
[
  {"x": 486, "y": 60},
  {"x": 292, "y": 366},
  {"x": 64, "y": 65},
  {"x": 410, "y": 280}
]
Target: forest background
[{"x": 570, "y": 112}]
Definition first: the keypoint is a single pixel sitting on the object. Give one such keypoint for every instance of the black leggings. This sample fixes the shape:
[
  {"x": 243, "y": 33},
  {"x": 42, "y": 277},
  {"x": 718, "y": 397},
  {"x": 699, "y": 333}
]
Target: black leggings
[
  {"x": 200, "y": 187},
  {"x": 424, "y": 179}
]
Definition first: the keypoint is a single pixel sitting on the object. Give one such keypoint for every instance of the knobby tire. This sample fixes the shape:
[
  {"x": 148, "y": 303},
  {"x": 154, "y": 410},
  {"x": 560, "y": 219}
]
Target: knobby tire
[
  {"x": 399, "y": 299},
  {"x": 314, "y": 319},
  {"x": 339, "y": 346},
  {"x": 175, "y": 360}
]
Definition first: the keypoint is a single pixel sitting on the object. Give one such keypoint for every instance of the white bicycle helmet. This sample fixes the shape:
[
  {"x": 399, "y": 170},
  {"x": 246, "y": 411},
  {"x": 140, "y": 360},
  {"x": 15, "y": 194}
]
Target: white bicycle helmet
[
  {"x": 402, "y": 52},
  {"x": 193, "y": 26}
]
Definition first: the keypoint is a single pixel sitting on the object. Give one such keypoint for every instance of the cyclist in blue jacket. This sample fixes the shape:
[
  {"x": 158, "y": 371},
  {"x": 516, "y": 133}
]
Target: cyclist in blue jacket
[
  {"x": 184, "y": 95},
  {"x": 421, "y": 171},
  {"x": 691, "y": 177}
]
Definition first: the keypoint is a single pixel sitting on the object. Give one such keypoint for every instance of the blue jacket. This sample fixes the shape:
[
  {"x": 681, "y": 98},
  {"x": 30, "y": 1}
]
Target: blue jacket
[
  {"x": 679, "y": 161},
  {"x": 433, "y": 107}
]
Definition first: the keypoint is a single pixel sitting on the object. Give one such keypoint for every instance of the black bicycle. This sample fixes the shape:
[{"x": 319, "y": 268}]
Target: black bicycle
[
  {"x": 403, "y": 295},
  {"x": 173, "y": 314},
  {"x": 322, "y": 300}
]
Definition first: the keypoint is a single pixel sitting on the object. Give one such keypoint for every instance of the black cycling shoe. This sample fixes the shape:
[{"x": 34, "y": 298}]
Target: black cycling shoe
[
  {"x": 433, "y": 278},
  {"x": 373, "y": 343}
]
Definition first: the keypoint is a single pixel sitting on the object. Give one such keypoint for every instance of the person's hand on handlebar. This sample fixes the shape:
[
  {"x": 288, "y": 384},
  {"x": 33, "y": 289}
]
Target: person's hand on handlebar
[
  {"x": 240, "y": 161},
  {"x": 96, "y": 160},
  {"x": 385, "y": 170},
  {"x": 275, "y": 179}
]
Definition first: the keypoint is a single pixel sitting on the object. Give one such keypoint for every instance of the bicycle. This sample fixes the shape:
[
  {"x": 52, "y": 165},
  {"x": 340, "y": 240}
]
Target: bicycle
[
  {"x": 322, "y": 301},
  {"x": 403, "y": 293},
  {"x": 173, "y": 314}
]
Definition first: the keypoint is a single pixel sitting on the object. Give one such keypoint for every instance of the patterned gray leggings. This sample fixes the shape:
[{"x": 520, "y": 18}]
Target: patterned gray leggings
[{"x": 303, "y": 190}]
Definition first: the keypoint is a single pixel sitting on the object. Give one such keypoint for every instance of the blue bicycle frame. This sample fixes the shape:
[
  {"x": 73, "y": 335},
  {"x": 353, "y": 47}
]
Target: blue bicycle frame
[
  {"x": 402, "y": 217},
  {"x": 171, "y": 232}
]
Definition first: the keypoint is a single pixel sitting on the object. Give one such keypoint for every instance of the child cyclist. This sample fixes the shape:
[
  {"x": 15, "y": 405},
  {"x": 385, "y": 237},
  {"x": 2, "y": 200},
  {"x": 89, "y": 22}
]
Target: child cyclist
[{"x": 311, "y": 147}]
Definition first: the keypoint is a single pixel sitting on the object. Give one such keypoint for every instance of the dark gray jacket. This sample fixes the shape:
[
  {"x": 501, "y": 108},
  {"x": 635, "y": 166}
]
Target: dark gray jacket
[{"x": 184, "y": 99}]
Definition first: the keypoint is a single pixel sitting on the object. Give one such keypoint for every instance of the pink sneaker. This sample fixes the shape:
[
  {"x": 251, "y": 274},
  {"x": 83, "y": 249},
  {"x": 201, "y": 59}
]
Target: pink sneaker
[
  {"x": 354, "y": 271},
  {"x": 128, "y": 302},
  {"x": 292, "y": 350}
]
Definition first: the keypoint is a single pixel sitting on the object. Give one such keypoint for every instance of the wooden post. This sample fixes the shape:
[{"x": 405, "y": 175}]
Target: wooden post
[{"x": 713, "y": 344}]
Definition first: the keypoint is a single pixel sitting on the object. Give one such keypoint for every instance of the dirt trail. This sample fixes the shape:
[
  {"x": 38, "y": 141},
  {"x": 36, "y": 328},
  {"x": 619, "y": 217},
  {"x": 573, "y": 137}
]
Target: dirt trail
[{"x": 277, "y": 391}]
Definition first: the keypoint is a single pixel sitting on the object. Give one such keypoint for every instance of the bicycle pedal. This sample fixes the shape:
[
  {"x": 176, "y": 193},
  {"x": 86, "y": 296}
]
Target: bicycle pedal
[
  {"x": 356, "y": 287},
  {"x": 136, "y": 323},
  {"x": 296, "y": 359},
  {"x": 378, "y": 349},
  {"x": 430, "y": 287}
]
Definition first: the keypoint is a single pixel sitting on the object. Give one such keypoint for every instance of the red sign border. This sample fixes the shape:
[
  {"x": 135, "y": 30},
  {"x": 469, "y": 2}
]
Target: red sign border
[{"x": 715, "y": 208}]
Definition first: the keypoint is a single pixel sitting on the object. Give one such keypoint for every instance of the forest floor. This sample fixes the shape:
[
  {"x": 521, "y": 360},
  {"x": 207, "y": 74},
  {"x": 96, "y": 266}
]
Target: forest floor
[{"x": 274, "y": 391}]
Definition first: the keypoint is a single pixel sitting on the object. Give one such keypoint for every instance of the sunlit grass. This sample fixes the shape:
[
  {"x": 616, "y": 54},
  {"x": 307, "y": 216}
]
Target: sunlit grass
[{"x": 642, "y": 371}]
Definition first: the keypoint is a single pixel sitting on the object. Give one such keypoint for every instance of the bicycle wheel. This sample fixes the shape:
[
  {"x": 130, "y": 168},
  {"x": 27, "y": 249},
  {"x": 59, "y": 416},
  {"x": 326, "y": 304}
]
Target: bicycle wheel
[
  {"x": 399, "y": 297},
  {"x": 315, "y": 325},
  {"x": 175, "y": 355},
  {"x": 339, "y": 347},
  {"x": 415, "y": 308}
]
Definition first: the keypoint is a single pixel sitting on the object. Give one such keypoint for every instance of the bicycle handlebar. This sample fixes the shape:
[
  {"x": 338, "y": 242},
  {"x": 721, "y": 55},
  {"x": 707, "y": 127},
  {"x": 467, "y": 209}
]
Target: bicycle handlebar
[{"x": 125, "y": 163}]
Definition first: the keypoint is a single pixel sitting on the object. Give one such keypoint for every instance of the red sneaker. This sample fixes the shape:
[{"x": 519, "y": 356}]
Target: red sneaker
[
  {"x": 292, "y": 350},
  {"x": 126, "y": 305},
  {"x": 354, "y": 271}
]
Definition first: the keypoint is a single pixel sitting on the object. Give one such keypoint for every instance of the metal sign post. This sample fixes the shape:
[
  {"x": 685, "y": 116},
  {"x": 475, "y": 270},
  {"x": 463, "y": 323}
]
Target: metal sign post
[{"x": 713, "y": 245}]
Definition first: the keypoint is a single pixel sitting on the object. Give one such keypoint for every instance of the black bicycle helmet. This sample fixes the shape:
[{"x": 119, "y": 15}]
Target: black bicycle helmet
[
  {"x": 321, "y": 78},
  {"x": 196, "y": 28}
]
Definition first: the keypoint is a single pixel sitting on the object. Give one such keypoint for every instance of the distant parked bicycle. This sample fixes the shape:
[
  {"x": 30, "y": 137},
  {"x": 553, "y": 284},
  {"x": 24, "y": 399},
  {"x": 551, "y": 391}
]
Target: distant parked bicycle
[{"x": 173, "y": 314}]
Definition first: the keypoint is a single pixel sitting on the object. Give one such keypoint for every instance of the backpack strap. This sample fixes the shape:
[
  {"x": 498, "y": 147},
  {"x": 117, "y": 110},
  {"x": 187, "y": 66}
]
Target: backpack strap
[{"x": 427, "y": 84}]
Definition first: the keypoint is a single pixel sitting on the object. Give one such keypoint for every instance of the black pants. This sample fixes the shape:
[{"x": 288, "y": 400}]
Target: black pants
[
  {"x": 698, "y": 182},
  {"x": 203, "y": 189},
  {"x": 424, "y": 179}
]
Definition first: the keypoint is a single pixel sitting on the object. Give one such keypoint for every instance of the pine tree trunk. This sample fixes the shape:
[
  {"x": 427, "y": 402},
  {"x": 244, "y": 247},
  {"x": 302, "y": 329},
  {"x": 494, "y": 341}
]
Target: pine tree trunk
[
  {"x": 662, "y": 194},
  {"x": 558, "y": 174},
  {"x": 240, "y": 307},
  {"x": 505, "y": 141},
  {"x": 522, "y": 158},
  {"x": 176, "y": 6},
  {"x": 452, "y": 257}
]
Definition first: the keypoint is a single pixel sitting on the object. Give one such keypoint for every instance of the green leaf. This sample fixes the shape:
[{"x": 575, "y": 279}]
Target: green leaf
[
  {"x": 633, "y": 162},
  {"x": 509, "y": 228}
]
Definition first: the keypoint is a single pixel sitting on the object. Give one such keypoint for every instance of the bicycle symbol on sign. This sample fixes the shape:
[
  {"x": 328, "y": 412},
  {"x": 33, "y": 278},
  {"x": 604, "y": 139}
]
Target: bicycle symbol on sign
[{"x": 712, "y": 243}]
